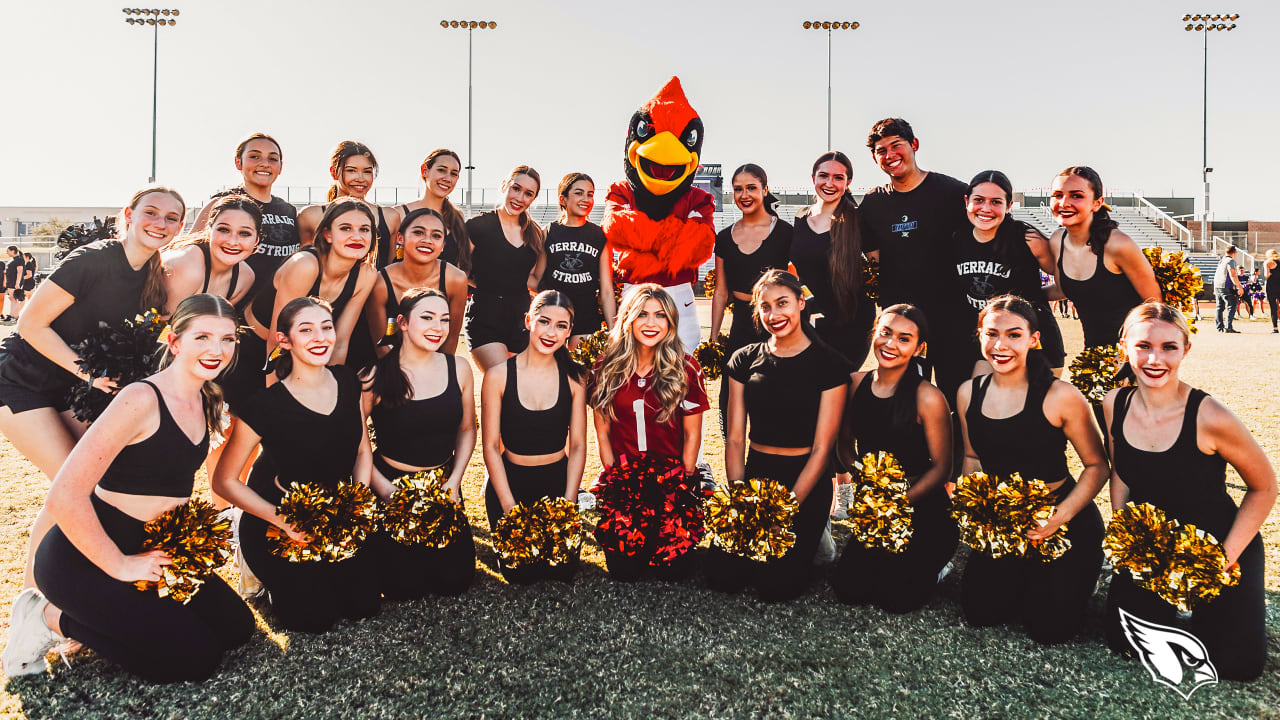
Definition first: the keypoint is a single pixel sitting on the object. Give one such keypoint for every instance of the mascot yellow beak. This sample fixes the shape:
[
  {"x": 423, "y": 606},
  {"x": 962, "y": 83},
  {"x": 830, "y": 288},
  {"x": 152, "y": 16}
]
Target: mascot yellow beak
[{"x": 662, "y": 162}]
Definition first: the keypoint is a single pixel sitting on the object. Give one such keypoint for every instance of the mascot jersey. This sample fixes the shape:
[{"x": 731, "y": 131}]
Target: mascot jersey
[{"x": 659, "y": 224}]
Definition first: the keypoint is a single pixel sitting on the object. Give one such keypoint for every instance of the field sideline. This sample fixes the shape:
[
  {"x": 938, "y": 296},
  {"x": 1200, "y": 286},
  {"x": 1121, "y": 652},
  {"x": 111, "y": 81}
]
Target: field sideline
[{"x": 601, "y": 649}]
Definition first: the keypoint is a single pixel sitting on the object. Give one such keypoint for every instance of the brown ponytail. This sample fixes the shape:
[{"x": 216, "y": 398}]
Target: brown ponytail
[{"x": 346, "y": 149}]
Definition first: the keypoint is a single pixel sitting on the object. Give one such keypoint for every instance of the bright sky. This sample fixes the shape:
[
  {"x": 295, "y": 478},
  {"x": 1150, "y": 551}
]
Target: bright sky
[{"x": 1026, "y": 87}]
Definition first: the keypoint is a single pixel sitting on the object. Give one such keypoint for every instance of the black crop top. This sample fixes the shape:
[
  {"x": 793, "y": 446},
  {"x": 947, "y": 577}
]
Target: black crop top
[
  {"x": 421, "y": 433},
  {"x": 871, "y": 422},
  {"x": 783, "y": 394},
  {"x": 162, "y": 464},
  {"x": 302, "y": 445},
  {"x": 1025, "y": 443},
  {"x": 498, "y": 267},
  {"x": 742, "y": 270},
  {"x": 208, "y": 272},
  {"x": 534, "y": 432},
  {"x": 1103, "y": 300},
  {"x": 1187, "y": 484},
  {"x": 264, "y": 304}
]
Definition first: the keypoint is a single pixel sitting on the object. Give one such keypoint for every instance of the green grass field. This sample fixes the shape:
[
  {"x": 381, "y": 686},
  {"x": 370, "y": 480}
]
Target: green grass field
[{"x": 600, "y": 649}]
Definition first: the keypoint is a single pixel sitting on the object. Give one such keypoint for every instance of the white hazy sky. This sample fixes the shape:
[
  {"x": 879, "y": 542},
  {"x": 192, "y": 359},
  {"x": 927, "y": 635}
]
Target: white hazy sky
[{"x": 1026, "y": 87}]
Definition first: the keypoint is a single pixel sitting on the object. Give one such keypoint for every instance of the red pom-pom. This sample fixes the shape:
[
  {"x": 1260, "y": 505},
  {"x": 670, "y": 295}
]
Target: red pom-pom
[{"x": 648, "y": 505}]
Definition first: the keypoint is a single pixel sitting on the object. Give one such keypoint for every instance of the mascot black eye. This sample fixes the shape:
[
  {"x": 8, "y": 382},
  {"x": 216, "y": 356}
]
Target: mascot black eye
[
  {"x": 691, "y": 137},
  {"x": 643, "y": 129}
]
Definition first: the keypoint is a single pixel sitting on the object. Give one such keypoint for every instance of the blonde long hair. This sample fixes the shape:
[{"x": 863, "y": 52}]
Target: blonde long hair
[{"x": 619, "y": 360}]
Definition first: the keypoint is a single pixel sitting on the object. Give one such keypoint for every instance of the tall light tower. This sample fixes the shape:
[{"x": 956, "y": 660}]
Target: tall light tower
[
  {"x": 829, "y": 26},
  {"x": 157, "y": 19},
  {"x": 1203, "y": 24},
  {"x": 470, "y": 26}
]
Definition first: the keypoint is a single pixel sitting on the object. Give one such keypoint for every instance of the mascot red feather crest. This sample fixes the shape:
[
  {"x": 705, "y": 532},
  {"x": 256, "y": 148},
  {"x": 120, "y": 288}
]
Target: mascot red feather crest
[{"x": 660, "y": 225}]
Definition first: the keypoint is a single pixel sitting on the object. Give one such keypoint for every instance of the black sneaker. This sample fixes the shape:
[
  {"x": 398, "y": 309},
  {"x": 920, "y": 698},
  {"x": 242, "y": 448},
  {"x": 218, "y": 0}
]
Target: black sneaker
[{"x": 1231, "y": 330}]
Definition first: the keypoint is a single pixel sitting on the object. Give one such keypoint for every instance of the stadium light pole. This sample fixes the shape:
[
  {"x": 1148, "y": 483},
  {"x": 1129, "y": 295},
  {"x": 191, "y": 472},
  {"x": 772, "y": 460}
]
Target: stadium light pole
[
  {"x": 156, "y": 18},
  {"x": 829, "y": 26},
  {"x": 1203, "y": 24},
  {"x": 470, "y": 26}
]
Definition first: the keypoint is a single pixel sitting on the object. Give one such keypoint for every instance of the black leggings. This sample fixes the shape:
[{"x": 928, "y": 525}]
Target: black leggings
[
  {"x": 1272, "y": 305},
  {"x": 900, "y": 582},
  {"x": 742, "y": 332},
  {"x": 1232, "y": 626},
  {"x": 409, "y": 572},
  {"x": 529, "y": 484},
  {"x": 787, "y": 577},
  {"x": 309, "y": 596},
  {"x": 1048, "y": 598},
  {"x": 158, "y": 639}
]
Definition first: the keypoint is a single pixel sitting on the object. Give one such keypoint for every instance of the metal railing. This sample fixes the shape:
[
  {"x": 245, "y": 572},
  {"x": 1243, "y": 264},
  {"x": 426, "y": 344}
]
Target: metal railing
[
  {"x": 1242, "y": 256},
  {"x": 1166, "y": 222}
]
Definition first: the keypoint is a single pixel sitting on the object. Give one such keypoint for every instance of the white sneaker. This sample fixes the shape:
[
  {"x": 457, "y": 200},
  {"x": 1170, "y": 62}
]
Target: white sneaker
[
  {"x": 29, "y": 638},
  {"x": 826, "y": 553},
  {"x": 249, "y": 586},
  {"x": 844, "y": 498},
  {"x": 946, "y": 570}
]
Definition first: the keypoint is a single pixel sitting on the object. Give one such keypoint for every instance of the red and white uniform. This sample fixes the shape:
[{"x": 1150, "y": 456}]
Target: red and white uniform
[{"x": 636, "y": 430}]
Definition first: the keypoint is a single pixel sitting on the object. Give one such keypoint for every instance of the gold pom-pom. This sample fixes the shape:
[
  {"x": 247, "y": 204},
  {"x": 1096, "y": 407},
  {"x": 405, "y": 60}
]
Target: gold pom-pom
[
  {"x": 1093, "y": 371},
  {"x": 710, "y": 354},
  {"x": 709, "y": 283},
  {"x": 871, "y": 279},
  {"x": 880, "y": 513},
  {"x": 752, "y": 518},
  {"x": 196, "y": 539},
  {"x": 590, "y": 348},
  {"x": 1179, "y": 281},
  {"x": 1182, "y": 564},
  {"x": 420, "y": 512},
  {"x": 337, "y": 521},
  {"x": 995, "y": 515},
  {"x": 548, "y": 531}
]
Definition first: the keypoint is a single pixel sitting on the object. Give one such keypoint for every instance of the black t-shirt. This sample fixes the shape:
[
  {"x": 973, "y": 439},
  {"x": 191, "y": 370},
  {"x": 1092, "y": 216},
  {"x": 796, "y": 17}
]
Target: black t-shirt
[
  {"x": 913, "y": 232},
  {"x": 497, "y": 266},
  {"x": 573, "y": 259},
  {"x": 783, "y": 394},
  {"x": 13, "y": 272},
  {"x": 279, "y": 238},
  {"x": 741, "y": 271},
  {"x": 983, "y": 275}
]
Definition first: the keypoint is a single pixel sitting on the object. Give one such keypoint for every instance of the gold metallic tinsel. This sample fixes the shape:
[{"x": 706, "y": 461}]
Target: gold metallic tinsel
[
  {"x": 548, "y": 531},
  {"x": 421, "y": 511},
  {"x": 1179, "y": 281},
  {"x": 995, "y": 515},
  {"x": 1093, "y": 371},
  {"x": 337, "y": 521},
  {"x": 590, "y": 348},
  {"x": 1182, "y": 564},
  {"x": 196, "y": 539},
  {"x": 880, "y": 513},
  {"x": 752, "y": 518},
  {"x": 710, "y": 354},
  {"x": 709, "y": 283},
  {"x": 871, "y": 280}
]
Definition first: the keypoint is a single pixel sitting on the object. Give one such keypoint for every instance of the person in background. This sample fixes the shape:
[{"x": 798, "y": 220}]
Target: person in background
[
  {"x": 1226, "y": 292},
  {"x": 1272, "y": 286}
]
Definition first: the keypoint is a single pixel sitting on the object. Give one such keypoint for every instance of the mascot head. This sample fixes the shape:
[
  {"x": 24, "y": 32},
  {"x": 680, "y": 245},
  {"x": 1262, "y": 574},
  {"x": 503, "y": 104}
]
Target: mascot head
[{"x": 664, "y": 142}]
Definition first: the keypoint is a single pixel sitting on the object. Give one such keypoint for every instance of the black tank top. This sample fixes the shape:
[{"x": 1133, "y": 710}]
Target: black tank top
[
  {"x": 163, "y": 464},
  {"x": 534, "y": 432},
  {"x": 871, "y": 422},
  {"x": 498, "y": 267},
  {"x": 393, "y": 301},
  {"x": 386, "y": 251},
  {"x": 1187, "y": 484},
  {"x": 265, "y": 303},
  {"x": 1025, "y": 443},
  {"x": 421, "y": 433},
  {"x": 1103, "y": 300},
  {"x": 208, "y": 272},
  {"x": 1273, "y": 282}
]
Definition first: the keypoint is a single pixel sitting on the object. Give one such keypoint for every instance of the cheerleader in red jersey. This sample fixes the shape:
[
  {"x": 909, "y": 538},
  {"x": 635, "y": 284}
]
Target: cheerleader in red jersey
[{"x": 648, "y": 398}]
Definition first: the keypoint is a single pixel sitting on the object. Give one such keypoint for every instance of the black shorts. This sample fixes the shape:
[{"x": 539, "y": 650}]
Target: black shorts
[
  {"x": 586, "y": 314},
  {"x": 497, "y": 319},
  {"x": 30, "y": 383}
]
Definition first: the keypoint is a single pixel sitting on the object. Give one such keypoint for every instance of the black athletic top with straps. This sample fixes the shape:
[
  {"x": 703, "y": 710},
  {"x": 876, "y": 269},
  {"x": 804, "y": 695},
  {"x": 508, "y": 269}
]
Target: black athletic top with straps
[
  {"x": 1188, "y": 485},
  {"x": 1272, "y": 286},
  {"x": 421, "y": 433},
  {"x": 1103, "y": 300},
  {"x": 742, "y": 270},
  {"x": 208, "y": 272},
  {"x": 1025, "y": 443},
  {"x": 386, "y": 251},
  {"x": 163, "y": 464},
  {"x": 498, "y": 268},
  {"x": 534, "y": 432},
  {"x": 873, "y": 429},
  {"x": 264, "y": 304},
  {"x": 392, "y": 304}
]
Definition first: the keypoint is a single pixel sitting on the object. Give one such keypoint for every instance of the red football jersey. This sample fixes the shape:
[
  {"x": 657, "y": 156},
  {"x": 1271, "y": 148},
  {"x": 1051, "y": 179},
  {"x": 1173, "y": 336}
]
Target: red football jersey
[{"x": 635, "y": 407}]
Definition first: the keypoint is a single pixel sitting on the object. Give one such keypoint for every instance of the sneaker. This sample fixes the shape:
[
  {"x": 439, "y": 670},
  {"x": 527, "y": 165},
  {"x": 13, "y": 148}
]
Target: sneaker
[
  {"x": 1274, "y": 330},
  {"x": 704, "y": 473},
  {"x": 946, "y": 570},
  {"x": 249, "y": 586},
  {"x": 844, "y": 498},
  {"x": 1232, "y": 331},
  {"x": 826, "y": 553},
  {"x": 29, "y": 638}
]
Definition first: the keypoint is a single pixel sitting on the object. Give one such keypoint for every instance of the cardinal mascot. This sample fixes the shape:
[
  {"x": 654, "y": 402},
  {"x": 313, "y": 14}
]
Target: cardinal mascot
[{"x": 658, "y": 223}]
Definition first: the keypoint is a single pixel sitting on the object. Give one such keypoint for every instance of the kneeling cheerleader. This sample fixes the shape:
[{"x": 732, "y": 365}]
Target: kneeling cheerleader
[
  {"x": 533, "y": 424},
  {"x": 893, "y": 409},
  {"x": 424, "y": 417},
  {"x": 312, "y": 433},
  {"x": 136, "y": 463}
]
